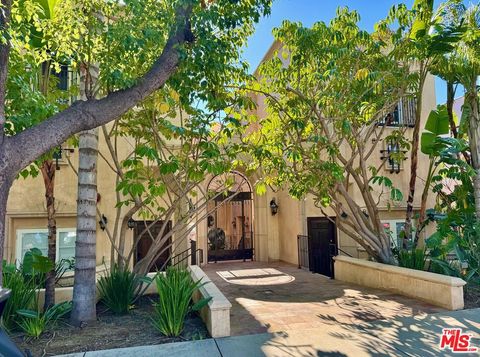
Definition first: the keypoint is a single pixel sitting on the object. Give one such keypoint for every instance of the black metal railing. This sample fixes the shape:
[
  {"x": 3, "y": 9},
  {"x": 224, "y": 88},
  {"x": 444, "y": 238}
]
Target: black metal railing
[
  {"x": 303, "y": 258},
  {"x": 334, "y": 251},
  {"x": 195, "y": 255},
  {"x": 402, "y": 115}
]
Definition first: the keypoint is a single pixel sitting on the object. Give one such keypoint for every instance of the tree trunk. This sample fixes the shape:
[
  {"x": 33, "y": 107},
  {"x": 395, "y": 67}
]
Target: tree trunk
[
  {"x": 84, "y": 288},
  {"x": 450, "y": 102},
  {"x": 48, "y": 169},
  {"x": 5, "y": 184},
  {"x": 471, "y": 101},
  {"x": 414, "y": 161},
  {"x": 5, "y": 10}
]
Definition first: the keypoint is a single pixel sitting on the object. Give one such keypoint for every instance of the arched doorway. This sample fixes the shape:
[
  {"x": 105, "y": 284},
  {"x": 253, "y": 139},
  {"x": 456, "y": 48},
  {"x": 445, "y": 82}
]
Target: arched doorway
[{"x": 230, "y": 218}]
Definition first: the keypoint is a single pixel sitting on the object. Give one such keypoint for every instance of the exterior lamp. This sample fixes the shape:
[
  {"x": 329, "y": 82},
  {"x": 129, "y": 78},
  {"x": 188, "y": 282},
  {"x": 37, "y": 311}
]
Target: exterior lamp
[
  {"x": 273, "y": 207},
  {"x": 103, "y": 222},
  {"x": 131, "y": 223},
  {"x": 58, "y": 155},
  {"x": 464, "y": 267}
]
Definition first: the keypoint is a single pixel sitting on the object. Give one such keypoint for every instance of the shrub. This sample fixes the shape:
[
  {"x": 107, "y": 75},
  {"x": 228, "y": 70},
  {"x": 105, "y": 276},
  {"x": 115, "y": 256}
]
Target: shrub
[
  {"x": 22, "y": 296},
  {"x": 23, "y": 283},
  {"x": 175, "y": 290},
  {"x": 34, "y": 323},
  {"x": 119, "y": 289},
  {"x": 413, "y": 259}
]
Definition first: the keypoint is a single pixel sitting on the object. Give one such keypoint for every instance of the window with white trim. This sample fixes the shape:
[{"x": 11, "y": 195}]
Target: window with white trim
[
  {"x": 395, "y": 227},
  {"x": 38, "y": 238}
]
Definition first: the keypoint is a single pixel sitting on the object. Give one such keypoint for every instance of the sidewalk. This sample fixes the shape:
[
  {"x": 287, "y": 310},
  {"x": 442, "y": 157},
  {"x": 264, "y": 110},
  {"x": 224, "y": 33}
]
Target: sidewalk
[{"x": 417, "y": 336}]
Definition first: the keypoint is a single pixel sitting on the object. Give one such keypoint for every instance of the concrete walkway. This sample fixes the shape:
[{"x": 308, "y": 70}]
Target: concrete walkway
[
  {"x": 411, "y": 336},
  {"x": 277, "y": 297}
]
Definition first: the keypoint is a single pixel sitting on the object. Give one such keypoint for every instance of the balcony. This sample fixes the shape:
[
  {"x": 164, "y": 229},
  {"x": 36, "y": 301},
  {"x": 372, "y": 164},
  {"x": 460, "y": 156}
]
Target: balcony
[{"x": 402, "y": 116}]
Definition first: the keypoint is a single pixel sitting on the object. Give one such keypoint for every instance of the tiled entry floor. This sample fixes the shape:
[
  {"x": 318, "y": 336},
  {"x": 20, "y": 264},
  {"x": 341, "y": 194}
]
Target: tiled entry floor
[{"x": 278, "y": 297}]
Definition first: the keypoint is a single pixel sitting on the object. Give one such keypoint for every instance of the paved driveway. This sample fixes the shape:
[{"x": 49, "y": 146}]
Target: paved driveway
[{"x": 278, "y": 297}]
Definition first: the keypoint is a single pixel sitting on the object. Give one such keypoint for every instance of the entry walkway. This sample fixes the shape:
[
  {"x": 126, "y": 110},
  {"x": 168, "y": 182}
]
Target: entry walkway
[
  {"x": 411, "y": 336},
  {"x": 278, "y": 297}
]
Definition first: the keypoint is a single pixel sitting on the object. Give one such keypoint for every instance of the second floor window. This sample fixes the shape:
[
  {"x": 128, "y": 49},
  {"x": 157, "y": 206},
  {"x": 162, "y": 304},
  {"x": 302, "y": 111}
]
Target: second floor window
[
  {"x": 393, "y": 156},
  {"x": 63, "y": 78}
]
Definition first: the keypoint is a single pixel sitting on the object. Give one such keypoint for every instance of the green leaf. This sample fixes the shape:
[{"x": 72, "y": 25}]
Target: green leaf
[
  {"x": 261, "y": 188},
  {"x": 28, "y": 313},
  {"x": 419, "y": 29},
  {"x": 427, "y": 143},
  {"x": 437, "y": 122},
  {"x": 200, "y": 304},
  {"x": 396, "y": 195}
]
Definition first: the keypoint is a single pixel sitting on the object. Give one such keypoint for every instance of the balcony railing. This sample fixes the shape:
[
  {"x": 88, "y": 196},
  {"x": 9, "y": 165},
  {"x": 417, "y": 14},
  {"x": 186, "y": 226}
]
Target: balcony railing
[{"x": 402, "y": 115}]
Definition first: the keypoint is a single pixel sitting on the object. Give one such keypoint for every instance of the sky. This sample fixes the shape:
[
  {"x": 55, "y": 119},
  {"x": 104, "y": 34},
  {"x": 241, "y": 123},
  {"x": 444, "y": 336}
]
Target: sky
[{"x": 311, "y": 11}]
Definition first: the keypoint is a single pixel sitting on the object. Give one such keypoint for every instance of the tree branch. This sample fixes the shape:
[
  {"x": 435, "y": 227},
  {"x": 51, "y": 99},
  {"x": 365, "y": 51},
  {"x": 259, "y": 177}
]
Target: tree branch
[
  {"x": 85, "y": 115},
  {"x": 5, "y": 9}
]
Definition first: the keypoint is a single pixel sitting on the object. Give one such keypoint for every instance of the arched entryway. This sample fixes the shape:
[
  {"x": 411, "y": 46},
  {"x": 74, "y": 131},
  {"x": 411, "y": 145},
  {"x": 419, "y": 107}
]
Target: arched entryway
[{"x": 230, "y": 218}]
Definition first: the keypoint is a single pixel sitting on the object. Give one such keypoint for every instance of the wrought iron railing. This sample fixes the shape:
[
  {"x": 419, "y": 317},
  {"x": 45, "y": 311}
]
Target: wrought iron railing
[
  {"x": 195, "y": 255},
  {"x": 334, "y": 250},
  {"x": 303, "y": 258},
  {"x": 402, "y": 115}
]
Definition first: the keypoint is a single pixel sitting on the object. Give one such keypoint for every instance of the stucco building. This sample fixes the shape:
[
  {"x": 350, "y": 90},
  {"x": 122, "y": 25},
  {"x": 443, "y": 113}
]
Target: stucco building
[{"x": 259, "y": 227}]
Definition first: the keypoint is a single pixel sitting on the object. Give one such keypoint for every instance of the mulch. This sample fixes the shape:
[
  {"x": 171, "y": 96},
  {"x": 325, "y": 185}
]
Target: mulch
[{"x": 109, "y": 331}]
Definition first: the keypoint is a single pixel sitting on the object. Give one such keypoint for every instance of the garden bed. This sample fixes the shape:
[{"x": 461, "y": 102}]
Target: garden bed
[
  {"x": 472, "y": 296},
  {"x": 109, "y": 331}
]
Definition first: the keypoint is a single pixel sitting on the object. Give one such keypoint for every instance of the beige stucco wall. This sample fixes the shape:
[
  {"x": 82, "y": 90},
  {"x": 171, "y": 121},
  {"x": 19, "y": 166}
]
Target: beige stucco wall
[
  {"x": 26, "y": 207},
  {"x": 436, "y": 289}
]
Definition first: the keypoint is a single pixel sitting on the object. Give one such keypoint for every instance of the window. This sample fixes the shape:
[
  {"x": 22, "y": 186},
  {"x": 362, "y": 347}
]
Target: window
[
  {"x": 393, "y": 156},
  {"x": 31, "y": 238},
  {"x": 38, "y": 238},
  {"x": 395, "y": 228},
  {"x": 63, "y": 78},
  {"x": 67, "y": 79},
  {"x": 66, "y": 244}
]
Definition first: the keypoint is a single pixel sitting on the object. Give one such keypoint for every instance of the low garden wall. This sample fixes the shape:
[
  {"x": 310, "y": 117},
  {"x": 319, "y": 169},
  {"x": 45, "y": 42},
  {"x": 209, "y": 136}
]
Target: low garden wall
[
  {"x": 439, "y": 290},
  {"x": 216, "y": 314}
]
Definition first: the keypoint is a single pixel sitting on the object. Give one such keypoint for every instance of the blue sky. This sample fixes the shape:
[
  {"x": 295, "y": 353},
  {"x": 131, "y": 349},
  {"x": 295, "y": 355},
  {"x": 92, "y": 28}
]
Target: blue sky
[{"x": 310, "y": 11}]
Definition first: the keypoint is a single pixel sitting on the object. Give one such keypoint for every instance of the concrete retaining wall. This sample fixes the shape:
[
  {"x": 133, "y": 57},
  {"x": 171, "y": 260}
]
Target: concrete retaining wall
[
  {"x": 216, "y": 314},
  {"x": 437, "y": 289}
]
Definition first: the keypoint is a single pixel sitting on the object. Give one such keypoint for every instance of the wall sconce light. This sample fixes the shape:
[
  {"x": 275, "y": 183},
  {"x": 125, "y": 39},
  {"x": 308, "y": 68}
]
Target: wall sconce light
[
  {"x": 273, "y": 207},
  {"x": 58, "y": 155},
  {"x": 131, "y": 223},
  {"x": 103, "y": 222}
]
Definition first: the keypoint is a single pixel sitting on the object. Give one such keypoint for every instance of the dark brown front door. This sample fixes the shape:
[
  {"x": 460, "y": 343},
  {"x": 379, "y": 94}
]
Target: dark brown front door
[
  {"x": 322, "y": 238},
  {"x": 146, "y": 241}
]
